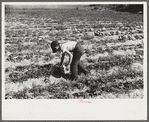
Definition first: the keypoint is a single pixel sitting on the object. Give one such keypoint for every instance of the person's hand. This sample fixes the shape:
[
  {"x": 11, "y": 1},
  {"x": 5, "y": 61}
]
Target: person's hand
[
  {"x": 67, "y": 67},
  {"x": 57, "y": 65}
]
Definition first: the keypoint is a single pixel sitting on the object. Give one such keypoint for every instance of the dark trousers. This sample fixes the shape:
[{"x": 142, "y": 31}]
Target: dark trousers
[{"x": 76, "y": 63}]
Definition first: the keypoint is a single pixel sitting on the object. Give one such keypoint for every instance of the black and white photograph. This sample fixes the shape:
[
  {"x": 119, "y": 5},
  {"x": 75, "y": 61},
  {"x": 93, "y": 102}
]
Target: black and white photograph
[{"x": 80, "y": 51}]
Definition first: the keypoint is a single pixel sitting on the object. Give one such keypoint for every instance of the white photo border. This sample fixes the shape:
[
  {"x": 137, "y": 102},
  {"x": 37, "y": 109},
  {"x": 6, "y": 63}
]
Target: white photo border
[{"x": 98, "y": 109}]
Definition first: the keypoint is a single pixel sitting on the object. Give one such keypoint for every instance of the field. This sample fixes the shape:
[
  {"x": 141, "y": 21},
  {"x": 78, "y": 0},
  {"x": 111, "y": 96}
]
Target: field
[{"x": 113, "y": 44}]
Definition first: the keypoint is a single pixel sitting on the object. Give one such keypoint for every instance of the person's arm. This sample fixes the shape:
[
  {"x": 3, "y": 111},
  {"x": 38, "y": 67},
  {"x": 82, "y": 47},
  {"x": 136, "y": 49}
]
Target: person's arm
[
  {"x": 62, "y": 59},
  {"x": 70, "y": 57}
]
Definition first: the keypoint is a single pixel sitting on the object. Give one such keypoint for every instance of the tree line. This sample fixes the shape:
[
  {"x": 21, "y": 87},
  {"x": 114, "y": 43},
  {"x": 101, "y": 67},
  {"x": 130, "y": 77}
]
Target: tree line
[{"x": 122, "y": 7}]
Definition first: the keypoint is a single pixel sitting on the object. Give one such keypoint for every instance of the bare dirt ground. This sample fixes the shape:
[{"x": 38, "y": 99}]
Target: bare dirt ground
[{"x": 113, "y": 43}]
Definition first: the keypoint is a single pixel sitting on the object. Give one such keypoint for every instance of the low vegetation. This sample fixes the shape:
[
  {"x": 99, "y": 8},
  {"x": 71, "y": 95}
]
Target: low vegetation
[{"x": 113, "y": 44}]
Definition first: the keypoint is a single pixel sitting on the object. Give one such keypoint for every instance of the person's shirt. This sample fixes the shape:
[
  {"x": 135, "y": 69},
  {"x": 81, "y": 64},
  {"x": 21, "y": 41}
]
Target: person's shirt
[{"x": 68, "y": 46}]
